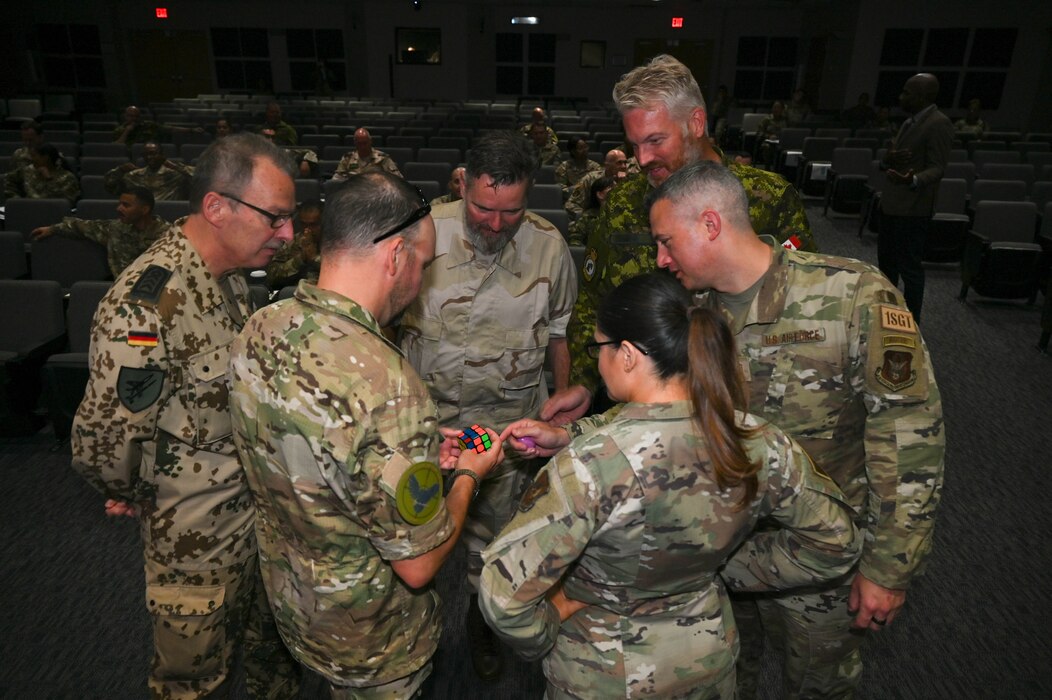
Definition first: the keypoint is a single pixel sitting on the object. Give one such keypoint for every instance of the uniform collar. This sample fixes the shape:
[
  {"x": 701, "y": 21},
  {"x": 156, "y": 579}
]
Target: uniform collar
[
  {"x": 334, "y": 303},
  {"x": 672, "y": 410},
  {"x": 769, "y": 303},
  {"x": 206, "y": 291}
]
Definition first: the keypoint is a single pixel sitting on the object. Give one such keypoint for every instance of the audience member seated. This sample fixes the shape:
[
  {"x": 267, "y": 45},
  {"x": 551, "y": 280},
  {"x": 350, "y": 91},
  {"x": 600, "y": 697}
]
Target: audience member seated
[
  {"x": 45, "y": 178},
  {"x": 547, "y": 152},
  {"x": 455, "y": 186},
  {"x": 135, "y": 129},
  {"x": 615, "y": 166},
  {"x": 883, "y": 121},
  {"x": 582, "y": 227},
  {"x": 364, "y": 157},
  {"x": 570, "y": 171},
  {"x": 719, "y": 108},
  {"x": 125, "y": 237},
  {"x": 223, "y": 128},
  {"x": 971, "y": 125},
  {"x": 539, "y": 118},
  {"x": 32, "y": 135},
  {"x": 167, "y": 180},
  {"x": 284, "y": 134},
  {"x": 305, "y": 159},
  {"x": 767, "y": 132}
]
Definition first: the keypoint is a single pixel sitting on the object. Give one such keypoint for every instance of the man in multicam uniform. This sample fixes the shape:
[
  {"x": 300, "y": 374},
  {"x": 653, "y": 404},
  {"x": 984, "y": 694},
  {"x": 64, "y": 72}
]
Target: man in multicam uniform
[
  {"x": 167, "y": 180},
  {"x": 539, "y": 118},
  {"x": 153, "y": 432},
  {"x": 134, "y": 129},
  {"x": 546, "y": 151},
  {"x": 664, "y": 119},
  {"x": 125, "y": 237},
  {"x": 496, "y": 298},
  {"x": 340, "y": 444},
  {"x": 832, "y": 356},
  {"x": 364, "y": 157},
  {"x": 284, "y": 133}
]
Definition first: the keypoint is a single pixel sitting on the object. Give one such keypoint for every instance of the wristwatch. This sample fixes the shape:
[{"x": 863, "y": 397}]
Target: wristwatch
[{"x": 474, "y": 477}]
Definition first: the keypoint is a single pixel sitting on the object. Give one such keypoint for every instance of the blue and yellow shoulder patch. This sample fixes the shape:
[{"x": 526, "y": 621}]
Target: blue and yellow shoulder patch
[{"x": 419, "y": 493}]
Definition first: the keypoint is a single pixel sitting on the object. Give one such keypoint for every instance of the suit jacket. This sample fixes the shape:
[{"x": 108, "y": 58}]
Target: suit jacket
[{"x": 928, "y": 140}]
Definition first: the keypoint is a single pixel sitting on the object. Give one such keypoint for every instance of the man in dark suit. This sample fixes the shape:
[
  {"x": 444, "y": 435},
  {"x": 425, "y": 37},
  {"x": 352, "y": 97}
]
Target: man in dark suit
[{"x": 914, "y": 165}]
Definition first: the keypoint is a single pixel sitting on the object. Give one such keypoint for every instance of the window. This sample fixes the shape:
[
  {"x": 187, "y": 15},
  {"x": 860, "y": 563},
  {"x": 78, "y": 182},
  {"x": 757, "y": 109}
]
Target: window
[
  {"x": 71, "y": 55},
  {"x": 415, "y": 45},
  {"x": 317, "y": 63},
  {"x": 969, "y": 63},
  {"x": 766, "y": 67},
  {"x": 242, "y": 59},
  {"x": 528, "y": 60}
]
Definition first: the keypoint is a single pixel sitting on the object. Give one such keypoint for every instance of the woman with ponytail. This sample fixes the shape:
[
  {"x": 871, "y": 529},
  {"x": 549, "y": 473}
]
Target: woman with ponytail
[{"x": 613, "y": 570}]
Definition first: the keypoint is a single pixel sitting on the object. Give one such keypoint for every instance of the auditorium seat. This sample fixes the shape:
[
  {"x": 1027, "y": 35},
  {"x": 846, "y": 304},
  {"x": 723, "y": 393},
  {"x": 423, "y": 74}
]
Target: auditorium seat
[
  {"x": 1000, "y": 258},
  {"x": 948, "y": 229}
]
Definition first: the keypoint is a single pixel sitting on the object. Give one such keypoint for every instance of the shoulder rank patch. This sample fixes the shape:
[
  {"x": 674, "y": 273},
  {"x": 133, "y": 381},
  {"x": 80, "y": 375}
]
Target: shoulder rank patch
[
  {"x": 588, "y": 267},
  {"x": 540, "y": 486},
  {"x": 139, "y": 388},
  {"x": 143, "y": 339},
  {"x": 894, "y": 319},
  {"x": 151, "y": 284},
  {"x": 419, "y": 493}
]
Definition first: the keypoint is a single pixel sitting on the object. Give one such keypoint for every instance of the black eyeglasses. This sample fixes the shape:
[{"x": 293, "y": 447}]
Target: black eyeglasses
[
  {"x": 592, "y": 347},
  {"x": 417, "y": 215},
  {"x": 276, "y": 220}
]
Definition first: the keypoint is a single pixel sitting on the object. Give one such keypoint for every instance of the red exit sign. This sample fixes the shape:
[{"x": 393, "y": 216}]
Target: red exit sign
[
  {"x": 677, "y": 23},
  {"x": 161, "y": 12}
]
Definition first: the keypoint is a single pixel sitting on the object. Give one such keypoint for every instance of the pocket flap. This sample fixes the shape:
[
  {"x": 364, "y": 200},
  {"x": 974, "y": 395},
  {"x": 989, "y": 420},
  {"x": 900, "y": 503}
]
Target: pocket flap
[{"x": 183, "y": 600}]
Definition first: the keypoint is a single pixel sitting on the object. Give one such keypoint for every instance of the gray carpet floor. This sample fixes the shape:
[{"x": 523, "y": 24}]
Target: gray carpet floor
[{"x": 72, "y": 623}]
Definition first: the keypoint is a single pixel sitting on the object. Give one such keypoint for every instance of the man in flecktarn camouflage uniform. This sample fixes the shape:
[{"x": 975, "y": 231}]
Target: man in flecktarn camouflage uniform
[{"x": 153, "y": 432}]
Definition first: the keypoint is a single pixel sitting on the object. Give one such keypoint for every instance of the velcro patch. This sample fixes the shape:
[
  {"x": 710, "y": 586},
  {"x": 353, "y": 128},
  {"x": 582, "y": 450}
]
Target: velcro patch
[
  {"x": 419, "y": 493},
  {"x": 903, "y": 341},
  {"x": 896, "y": 319},
  {"x": 143, "y": 339},
  {"x": 540, "y": 486},
  {"x": 139, "y": 388},
  {"x": 588, "y": 267},
  {"x": 897, "y": 372},
  {"x": 151, "y": 284}
]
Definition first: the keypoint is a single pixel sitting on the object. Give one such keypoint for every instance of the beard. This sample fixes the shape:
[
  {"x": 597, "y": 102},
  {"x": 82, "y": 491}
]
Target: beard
[{"x": 486, "y": 242}]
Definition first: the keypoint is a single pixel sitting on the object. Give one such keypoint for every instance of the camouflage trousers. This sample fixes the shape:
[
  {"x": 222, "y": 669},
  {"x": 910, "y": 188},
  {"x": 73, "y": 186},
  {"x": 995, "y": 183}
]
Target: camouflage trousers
[
  {"x": 491, "y": 510},
  {"x": 811, "y": 631},
  {"x": 724, "y": 689},
  {"x": 200, "y": 618},
  {"x": 411, "y": 686}
]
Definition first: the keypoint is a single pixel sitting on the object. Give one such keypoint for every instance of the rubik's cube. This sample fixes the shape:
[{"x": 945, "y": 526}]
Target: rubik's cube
[{"x": 474, "y": 438}]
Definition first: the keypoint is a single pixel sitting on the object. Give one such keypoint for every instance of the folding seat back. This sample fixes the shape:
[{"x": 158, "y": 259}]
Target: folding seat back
[
  {"x": 68, "y": 260},
  {"x": 172, "y": 209},
  {"x": 439, "y": 172},
  {"x": 983, "y": 157},
  {"x": 545, "y": 197},
  {"x": 96, "y": 209},
  {"x": 100, "y": 165},
  {"x": 846, "y": 181},
  {"x": 400, "y": 155},
  {"x": 1008, "y": 171},
  {"x": 1001, "y": 258},
  {"x": 998, "y": 190},
  {"x": 815, "y": 160},
  {"x": 545, "y": 175},
  {"x": 429, "y": 189},
  {"x": 12, "y": 256},
  {"x": 27, "y": 214},
  {"x": 948, "y": 229},
  {"x": 451, "y": 156}
]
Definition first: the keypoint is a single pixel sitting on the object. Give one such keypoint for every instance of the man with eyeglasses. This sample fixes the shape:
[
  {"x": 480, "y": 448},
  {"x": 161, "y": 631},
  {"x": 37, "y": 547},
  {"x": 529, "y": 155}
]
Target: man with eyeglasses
[
  {"x": 153, "y": 432},
  {"x": 340, "y": 443},
  {"x": 494, "y": 301}
]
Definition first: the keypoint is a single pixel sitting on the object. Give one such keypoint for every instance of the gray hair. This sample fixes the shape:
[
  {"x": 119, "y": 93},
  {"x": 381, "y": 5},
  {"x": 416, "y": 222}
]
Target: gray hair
[
  {"x": 229, "y": 164},
  {"x": 704, "y": 185},
  {"x": 663, "y": 80}
]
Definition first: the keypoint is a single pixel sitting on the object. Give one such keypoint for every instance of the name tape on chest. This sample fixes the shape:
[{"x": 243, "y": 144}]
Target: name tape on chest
[{"x": 803, "y": 335}]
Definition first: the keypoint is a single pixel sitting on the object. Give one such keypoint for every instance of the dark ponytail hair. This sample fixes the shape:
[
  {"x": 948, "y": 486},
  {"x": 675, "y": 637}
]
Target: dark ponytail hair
[{"x": 657, "y": 315}]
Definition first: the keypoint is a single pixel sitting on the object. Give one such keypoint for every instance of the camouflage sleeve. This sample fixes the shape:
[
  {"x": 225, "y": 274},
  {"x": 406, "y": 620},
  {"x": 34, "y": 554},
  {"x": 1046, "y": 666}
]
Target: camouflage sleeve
[
  {"x": 343, "y": 169},
  {"x": 577, "y": 200},
  {"x": 127, "y": 385},
  {"x": 592, "y": 288},
  {"x": 552, "y": 527},
  {"x": 581, "y": 426},
  {"x": 392, "y": 167},
  {"x": 68, "y": 186},
  {"x": 780, "y": 213},
  {"x": 904, "y": 437},
  {"x": 562, "y": 180},
  {"x": 13, "y": 184},
  {"x": 113, "y": 180},
  {"x": 817, "y": 540},
  {"x": 93, "y": 230}
]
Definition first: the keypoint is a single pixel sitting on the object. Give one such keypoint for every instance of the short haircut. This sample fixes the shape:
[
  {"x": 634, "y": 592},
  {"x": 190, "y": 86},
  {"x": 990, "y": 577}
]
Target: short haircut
[
  {"x": 48, "y": 151},
  {"x": 505, "y": 156},
  {"x": 364, "y": 207},
  {"x": 34, "y": 126},
  {"x": 663, "y": 80},
  {"x": 143, "y": 194},
  {"x": 598, "y": 186},
  {"x": 228, "y": 165},
  {"x": 706, "y": 184},
  {"x": 311, "y": 205}
]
